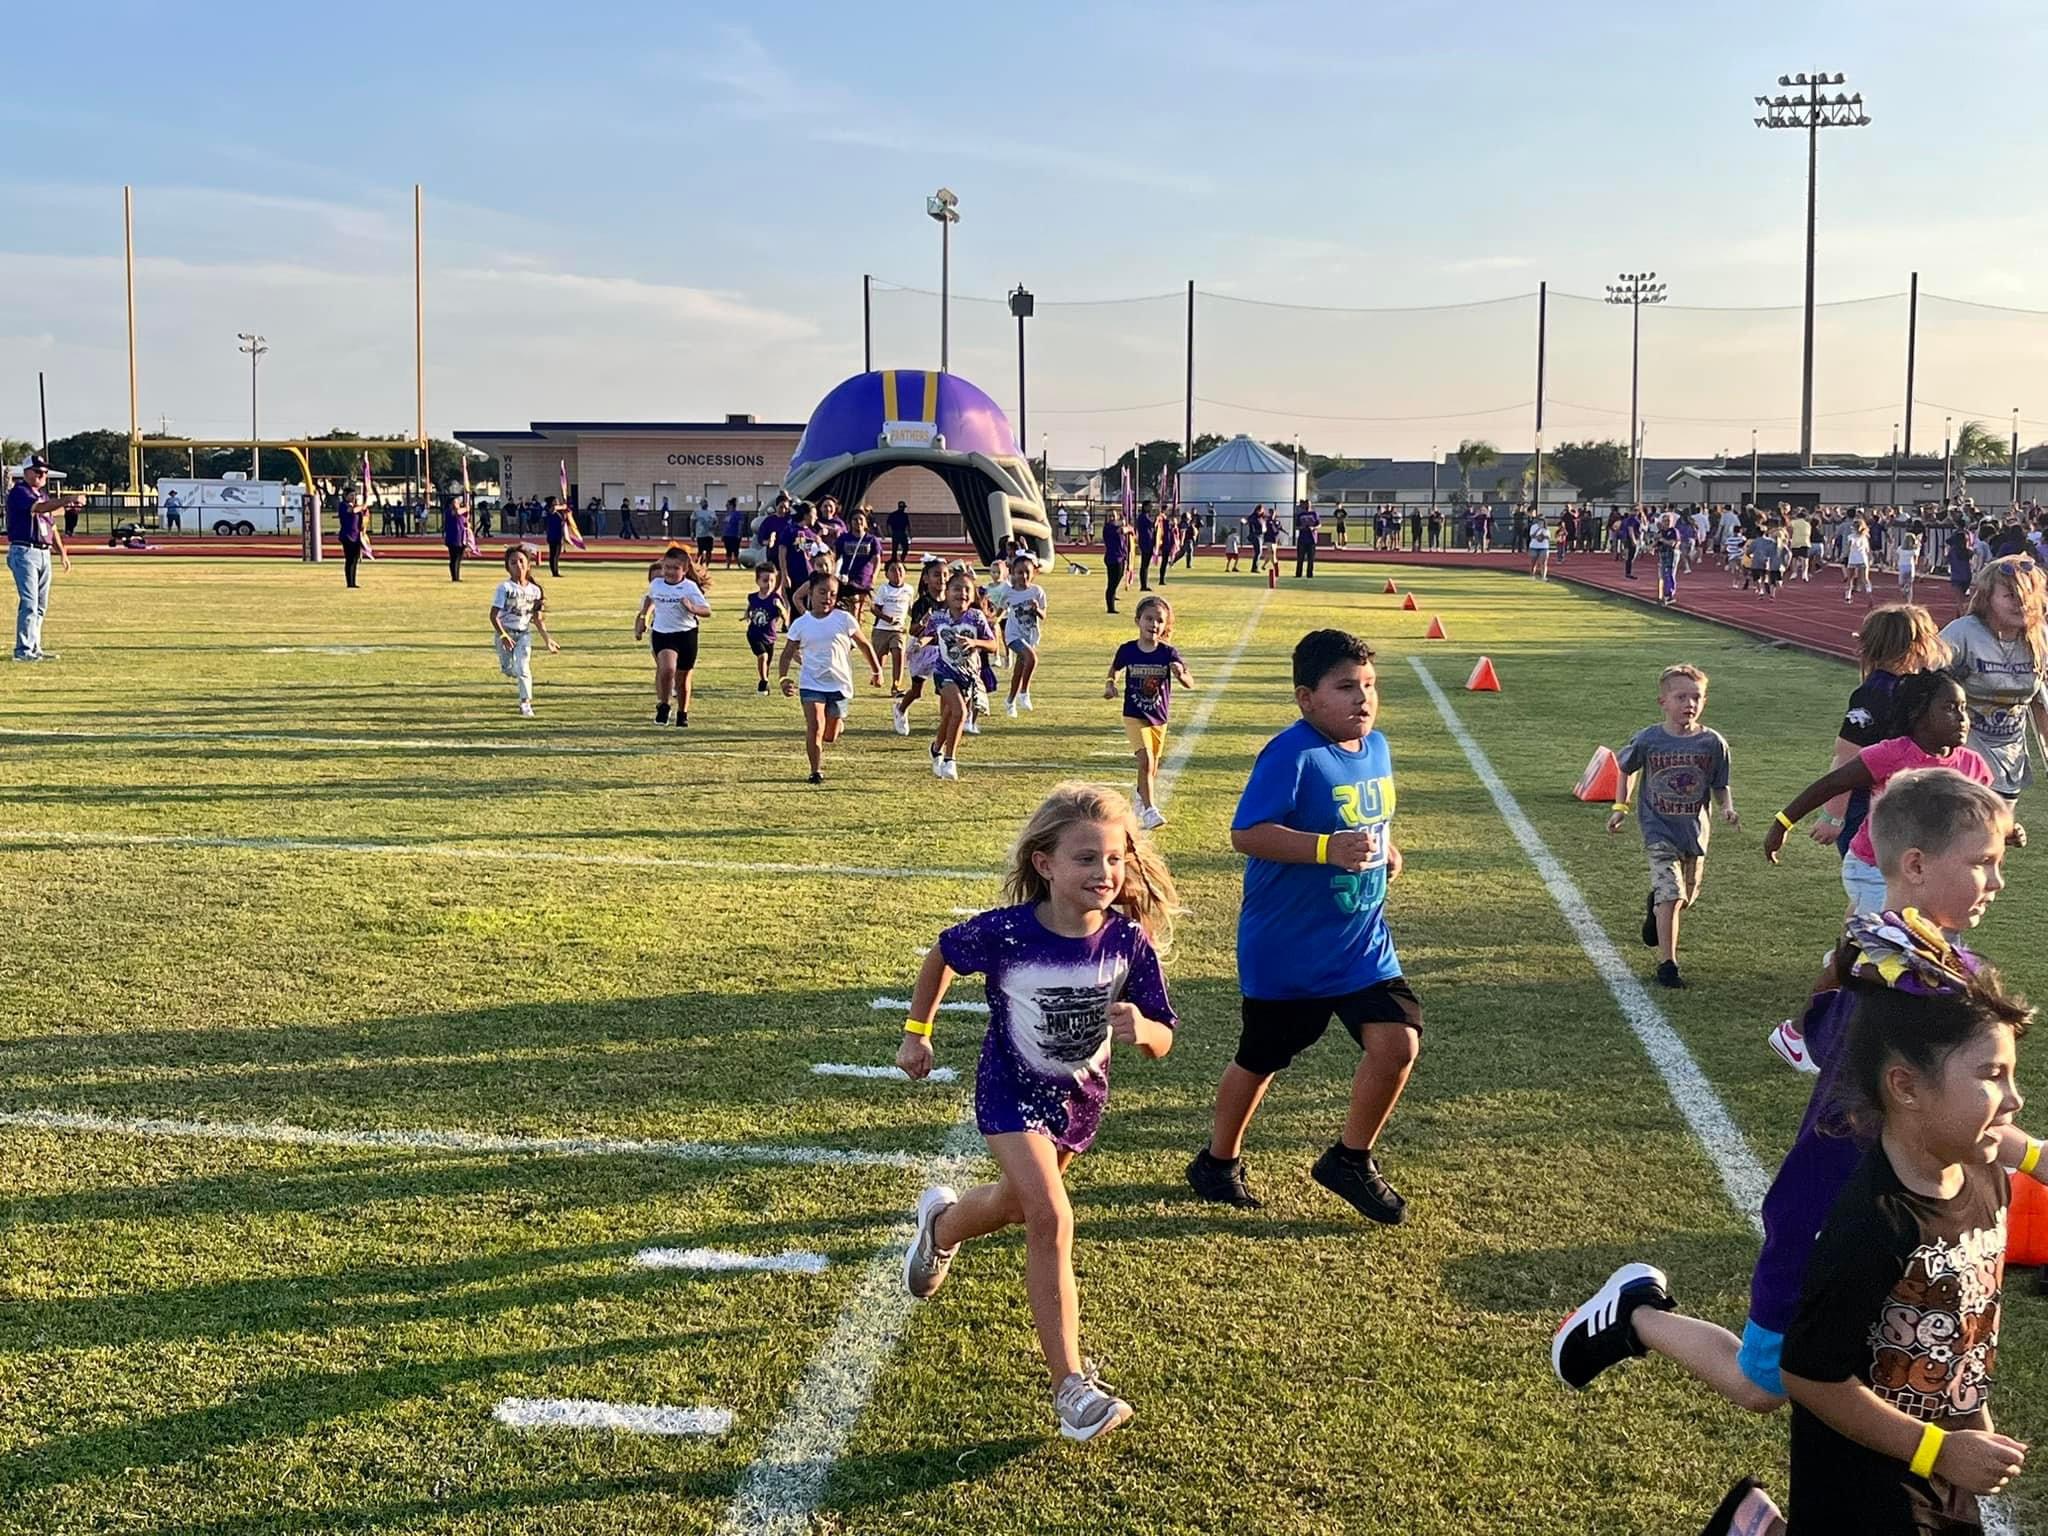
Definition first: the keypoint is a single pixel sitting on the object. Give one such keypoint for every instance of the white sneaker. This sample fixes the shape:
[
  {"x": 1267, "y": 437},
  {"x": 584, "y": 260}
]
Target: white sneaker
[
  {"x": 925, "y": 1263},
  {"x": 1791, "y": 1048},
  {"x": 938, "y": 766},
  {"x": 525, "y": 708},
  {"x": 948, "y": 769},
  {"x": 1024, "y": 698},
  {"x": 1087, "y": 1408},
  {"x": 1012, "y": 711},
  {"x": 973, "y": 726},
  {"x": 902, "y": 715},
  {"x": 1150, "y": 817}
]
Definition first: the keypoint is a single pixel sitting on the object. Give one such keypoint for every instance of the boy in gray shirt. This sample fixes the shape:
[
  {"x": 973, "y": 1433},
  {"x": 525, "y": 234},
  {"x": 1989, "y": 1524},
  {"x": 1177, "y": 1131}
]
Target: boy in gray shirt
[{"x": 1681, "y": 766}]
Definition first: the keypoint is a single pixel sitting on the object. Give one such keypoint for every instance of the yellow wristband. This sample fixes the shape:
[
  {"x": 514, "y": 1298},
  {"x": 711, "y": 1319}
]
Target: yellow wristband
[
  {"x": 1787, "y": 822},
  {"x": 2033, "y": 1158},
  {"x": 1322, "y": 847},
  {"x": 1922, "y": 1464},
  {"x": 917, "y": 1027}
]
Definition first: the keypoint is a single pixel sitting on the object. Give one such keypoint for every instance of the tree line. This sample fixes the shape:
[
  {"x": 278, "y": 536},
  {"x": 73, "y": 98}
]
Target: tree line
[{"x": 100, "y": 458}]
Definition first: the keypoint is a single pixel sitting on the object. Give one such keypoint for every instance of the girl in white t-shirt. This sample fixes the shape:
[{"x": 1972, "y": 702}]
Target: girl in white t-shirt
[
  {"x": 675, "y": 598},
  {"x": 1022, "y": 602},
  {"x": 824, "y": 635},
  {"x": 518, "y": 608},
  {"x": 891, "y": 600},
  {"x": 1855, "y": 560},
  {"x": 1539, "y": 550},
  {"x": 1909, "y": 562}
]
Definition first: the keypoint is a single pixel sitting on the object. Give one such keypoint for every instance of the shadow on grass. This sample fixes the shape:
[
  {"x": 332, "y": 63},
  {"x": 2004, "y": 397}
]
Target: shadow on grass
[
  {"x": 411, "y": 1514},
  {"x": 1548, "y": 1281},
  {"x": 860, "y": 1481}
]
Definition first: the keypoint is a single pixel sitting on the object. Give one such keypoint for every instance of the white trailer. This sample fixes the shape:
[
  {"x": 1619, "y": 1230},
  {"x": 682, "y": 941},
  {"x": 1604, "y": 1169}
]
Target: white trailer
[{"x": 232, "y": 505}]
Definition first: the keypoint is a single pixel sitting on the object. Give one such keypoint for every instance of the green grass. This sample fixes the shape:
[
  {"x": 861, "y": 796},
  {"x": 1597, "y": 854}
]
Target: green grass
[{"x": 226, "y": 1338}]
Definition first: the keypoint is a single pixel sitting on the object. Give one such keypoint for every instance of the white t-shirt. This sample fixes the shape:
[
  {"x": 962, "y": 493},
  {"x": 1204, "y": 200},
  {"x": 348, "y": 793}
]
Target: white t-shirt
[
  {"x": 1857, "y": 550},
  {"x": 1539, "y": 539},
  {"x": 517, "y": 602},
  {"x": 892, "y": 604},
  {"x": 671, "y": 615},
  {"x": 825, "y": 646},
  {"x": 1020, "y": 624}
]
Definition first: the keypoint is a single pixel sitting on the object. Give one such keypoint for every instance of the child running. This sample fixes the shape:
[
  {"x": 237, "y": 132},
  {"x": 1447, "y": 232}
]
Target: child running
[
  {"x": 931, "y": 595},
  {"x": 823, "y": 635},
  {"x": 1022, "y": 602},
  {"x": 518, "y": 608},
  {"x": 962, "y": 635},
  {"x": 1855, "y": 560},
  {"x": 1315, "y": 824},
  {"x": 1150, "y": 667},
  {"x": 1071, "y": 967},
  {"x": 764, "y": 621},
  {"x": 1909, "y": 563},
  {"x": 892, "y": 599},
  {"x": 676, "y": 600},
  {"x": 1682, "y": 766}
]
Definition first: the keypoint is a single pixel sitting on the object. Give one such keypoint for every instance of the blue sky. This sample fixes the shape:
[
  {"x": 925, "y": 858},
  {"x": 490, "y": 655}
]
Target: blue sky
[{"x": 658, "y": 212}]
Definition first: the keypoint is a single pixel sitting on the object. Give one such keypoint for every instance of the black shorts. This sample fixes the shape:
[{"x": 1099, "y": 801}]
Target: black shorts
[
  {"x": 761, "y": 645},
  {"x": 683, "y": 642},
  {"x": 1276, "y": 1030},
  {"x": 704, "y": 547}
]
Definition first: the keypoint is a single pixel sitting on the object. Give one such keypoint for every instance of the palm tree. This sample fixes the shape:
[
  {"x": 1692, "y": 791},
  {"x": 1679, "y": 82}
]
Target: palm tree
[
  {"x": 1473, "y": 453},
  {"x": 1974, "y": 444}
]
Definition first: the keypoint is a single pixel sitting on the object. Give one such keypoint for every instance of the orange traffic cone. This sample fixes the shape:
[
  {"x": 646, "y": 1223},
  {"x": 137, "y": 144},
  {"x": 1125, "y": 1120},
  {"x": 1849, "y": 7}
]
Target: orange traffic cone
[
  {"x": 1408, "y": 603},
  {"x": 1390, "y": 587},
  {"x": 2026, "y": 1231},
  {"x": 1602, "y": 779},
  {"x": 1483, "y": 678},
  {"x": 1436, "y": 630}
]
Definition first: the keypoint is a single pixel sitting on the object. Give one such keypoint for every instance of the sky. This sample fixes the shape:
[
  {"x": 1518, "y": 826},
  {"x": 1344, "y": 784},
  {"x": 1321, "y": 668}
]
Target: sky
[{"x": 664, "y": 212}]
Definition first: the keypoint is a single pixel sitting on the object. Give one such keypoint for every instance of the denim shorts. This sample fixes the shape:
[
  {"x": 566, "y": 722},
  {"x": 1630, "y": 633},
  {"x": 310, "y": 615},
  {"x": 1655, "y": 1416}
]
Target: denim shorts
[
  {"x": 1864, "y": 883},
  {"x": 835, "y": 702}
]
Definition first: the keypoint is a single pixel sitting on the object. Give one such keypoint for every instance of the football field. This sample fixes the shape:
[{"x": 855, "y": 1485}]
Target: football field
[{"x": 378, "y": 1067}]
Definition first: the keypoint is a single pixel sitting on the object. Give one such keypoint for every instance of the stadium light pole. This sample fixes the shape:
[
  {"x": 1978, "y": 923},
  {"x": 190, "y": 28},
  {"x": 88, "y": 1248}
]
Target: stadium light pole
[
  {"x": 1752, "y": 466},
  {"x": 1948, "y": 459},
  {"x": 254, "y": 345},
  {"x": 1895, "y": 463},
  {"x": 2015, "y": 499},
  {"x": 1812, "y": 111},
  {"x": 943, "y": 206},
  {"x": 1635, "y": 290},
  {"x": 1021, "y": 305}
]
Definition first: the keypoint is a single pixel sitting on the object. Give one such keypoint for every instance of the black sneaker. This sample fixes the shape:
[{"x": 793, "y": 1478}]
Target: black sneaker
[
  {"x": 1650, "y": 922},
  {"x": 1667, "y": 974},
  {"x": 761, "y": 686},
  {"x": 1355, "y": 1177},
  {"x": 817, "y": 777},
  {"x": 682, "y": 717},
  {"x": 1213, "y": 1179},
  {"x": 1599, "y": 1334},
  {"x": 661, "y": 714}
]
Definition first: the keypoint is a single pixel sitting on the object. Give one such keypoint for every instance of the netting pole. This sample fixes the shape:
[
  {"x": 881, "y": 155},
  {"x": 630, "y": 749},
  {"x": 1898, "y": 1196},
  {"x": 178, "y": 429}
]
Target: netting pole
[
  {"x": 1912, "y": 342},
  {"x": 1542, "y": 319},
  {"x": 134, "y": 419},
  {"x": 867, "y": 323},
  {"x": 1806, "y": 369},
  {"x": 419, "y": 343},
  {"x": 1188, "y": 443},
  {"x": 2015, "y": 498}
]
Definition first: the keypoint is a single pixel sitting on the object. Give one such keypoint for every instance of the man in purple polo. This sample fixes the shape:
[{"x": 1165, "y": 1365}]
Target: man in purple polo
[{"x": 31, "y": 535}]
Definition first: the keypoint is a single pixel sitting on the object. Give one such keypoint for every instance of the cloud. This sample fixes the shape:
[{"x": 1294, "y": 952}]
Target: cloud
[
  {"x": 1490, "y": 264},
  {"x": 703, "y": 306}
]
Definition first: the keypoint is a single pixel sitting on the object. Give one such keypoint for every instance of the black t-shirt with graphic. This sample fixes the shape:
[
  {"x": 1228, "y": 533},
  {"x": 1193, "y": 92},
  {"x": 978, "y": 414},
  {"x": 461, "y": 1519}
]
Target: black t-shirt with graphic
[
  {"x": 1872, "y": 717},
  {"x": 1902, "y": 1294}
]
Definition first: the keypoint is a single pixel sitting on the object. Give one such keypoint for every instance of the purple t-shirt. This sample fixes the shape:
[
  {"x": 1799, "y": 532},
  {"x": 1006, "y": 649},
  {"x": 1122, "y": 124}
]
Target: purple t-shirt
[
  {"x": 1147, "y": 530},
  {"x": 1306, "y": 521},
  {"x": 1116, "y": 544},
  {"x": 22, "y": 523},
  {"x": 858, "y": 555},
  {"x": 1148, "y": 680},
  {"x": 349, "y": 523},
  {"x": 1045, "y": 1059},
  {"x": 764, "y": 616}
]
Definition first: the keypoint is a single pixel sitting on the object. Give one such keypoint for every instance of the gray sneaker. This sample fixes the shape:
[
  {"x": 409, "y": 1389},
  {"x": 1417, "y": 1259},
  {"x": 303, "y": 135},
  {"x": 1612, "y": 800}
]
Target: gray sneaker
[
  {"x": 1088, "y": 1408},
  {"x": 925, "y": 1263}
]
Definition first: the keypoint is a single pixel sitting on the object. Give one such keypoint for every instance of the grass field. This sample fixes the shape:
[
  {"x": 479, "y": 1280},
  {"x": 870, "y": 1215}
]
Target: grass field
[{"x": 274, "y": 853}]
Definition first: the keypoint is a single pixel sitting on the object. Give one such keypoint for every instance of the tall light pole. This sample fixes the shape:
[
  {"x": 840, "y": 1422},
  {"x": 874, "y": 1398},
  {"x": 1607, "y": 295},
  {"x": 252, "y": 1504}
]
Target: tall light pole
[
  {"x": 1812, "y": 112},
  {"x": 255, "y": 346},
  {"x": 945, "y": 207},
  {"x": 1021, "y": 305},
  {"x": 1635, "y": 290}
]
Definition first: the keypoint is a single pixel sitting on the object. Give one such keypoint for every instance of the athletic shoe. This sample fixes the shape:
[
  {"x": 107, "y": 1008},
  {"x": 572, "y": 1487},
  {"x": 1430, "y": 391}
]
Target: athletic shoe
[
  {"x": 761, "y": 686},
  {"x": 1791, "y": 1046},
  {"x": 28, "y": 658},
  {"x": 1213, "y": 1179},
  {"x": 1087, "y": 1408},
  {"x": 661, "y": 715},
  {"x": 1650, "y": 921},
  {"x": 1355, "y": 1177},
  {"x": 938, "y": 766},
  {"x": 45, "y": 655},
  {"x": 925, "y": 1263},
  {"x": 1667, "y": 975},
  {"x": 1024, "y": 698},
  {"x": 1150, "y": 817},
  {"x": 1746, "y": 1511},
  {"x": 1012, "y": 710},
  {"x": 948, "y": 769},
  {"x": 526, "y": 709},
  {"x": 901, "y": 712},
  {"x": 973, "y": 725},
  {"x": 682, "y": 719},
  {"x": 817, "y": 777},
  {"x": 1600, "y": 1333}
]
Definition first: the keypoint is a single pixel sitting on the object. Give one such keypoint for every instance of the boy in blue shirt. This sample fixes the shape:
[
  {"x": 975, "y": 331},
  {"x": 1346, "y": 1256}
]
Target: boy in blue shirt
[{"x": 1315, "y": 824}]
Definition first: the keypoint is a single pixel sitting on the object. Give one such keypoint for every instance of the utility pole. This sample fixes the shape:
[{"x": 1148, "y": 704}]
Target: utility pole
[
  {"x": 1635, "y": 290},
  {"x": 255, "y": 346},
  {"x": 943, "y": 206}
]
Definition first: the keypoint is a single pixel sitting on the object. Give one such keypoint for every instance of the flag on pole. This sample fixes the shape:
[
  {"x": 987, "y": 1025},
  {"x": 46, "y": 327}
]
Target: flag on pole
[
  {"x": 369, "y": 495},
  {"x": 568, "y": 509},
  {"x": 467, "y": 513},
  {"x": 1129, "y": 498}
]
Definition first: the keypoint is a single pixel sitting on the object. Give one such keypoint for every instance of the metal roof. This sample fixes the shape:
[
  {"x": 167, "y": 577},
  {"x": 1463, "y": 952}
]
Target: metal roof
[
  {"x": 1242, "y": 455},
  {"x": 541, "y": 431},
  {"x": 1918, "y": 469}
]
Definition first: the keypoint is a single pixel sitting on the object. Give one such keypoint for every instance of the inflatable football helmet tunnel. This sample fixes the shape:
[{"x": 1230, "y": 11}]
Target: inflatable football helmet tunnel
[{"x": 876, "y": 422}]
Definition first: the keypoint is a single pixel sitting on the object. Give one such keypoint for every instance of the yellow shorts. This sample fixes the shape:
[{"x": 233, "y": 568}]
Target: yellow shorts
[{"x": 1146, "y": 737}]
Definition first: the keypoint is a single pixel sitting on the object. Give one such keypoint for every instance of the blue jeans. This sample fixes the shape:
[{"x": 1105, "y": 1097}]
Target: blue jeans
[{"x": 31, "y": 570}]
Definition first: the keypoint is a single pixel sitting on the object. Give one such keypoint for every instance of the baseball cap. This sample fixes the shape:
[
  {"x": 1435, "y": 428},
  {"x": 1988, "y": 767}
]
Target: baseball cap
[{"x": 35, "y": 461}]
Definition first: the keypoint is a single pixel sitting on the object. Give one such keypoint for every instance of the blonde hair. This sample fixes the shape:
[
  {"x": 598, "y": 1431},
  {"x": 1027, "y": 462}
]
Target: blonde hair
[
  {"x": 1683, "y": 669},
  {"x": 2022, "y": 577},
  {"x": 1928, "y": 809},
  {"x": 1156, "y": 601},
  {"x": 1147, "y": 898},
  {"x": 1900, "y": 638}
]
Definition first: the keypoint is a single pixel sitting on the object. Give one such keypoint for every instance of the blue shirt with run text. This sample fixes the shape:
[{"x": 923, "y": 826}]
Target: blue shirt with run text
[{"x": 1313, "y": 930}]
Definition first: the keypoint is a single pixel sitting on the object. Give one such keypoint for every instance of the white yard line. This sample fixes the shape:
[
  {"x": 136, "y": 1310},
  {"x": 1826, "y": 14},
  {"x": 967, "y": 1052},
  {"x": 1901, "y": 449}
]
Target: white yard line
[
  {"x": 421, "y": 1140},
  {"x": 406, "y": 743},
  {"x": 885, "y": 1004},
  {"x": 786, "y": 1482},
  {"x": 521, "y": 855},
  {"x": 1212, "y": 692},
  {"x": 722, "y": 1259},
  {"x": 626, "y": 1418},
  {"x": 890, "y": 1074},
  {"x": 1742, "y": 1176}
]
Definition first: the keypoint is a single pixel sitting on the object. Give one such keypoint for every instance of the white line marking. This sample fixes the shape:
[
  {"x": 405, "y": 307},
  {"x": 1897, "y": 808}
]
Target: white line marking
[
  {"x": 457, "y": 1141},
  {"x": 896, "y": 1074},
  {"x": 31, "y": 840},
  {"x": 1741, "y": 1174},
  {"x": 724, "y": 1259},
  {"x": 407, "y": 743},
  {"x": 884, "y": 1004},
  {"x": 629, "y": 1418},
  {"x": 965, "y": 911},
  {"x": 786, "y": 1482},
  {"x": 1212, "y": 694}
]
